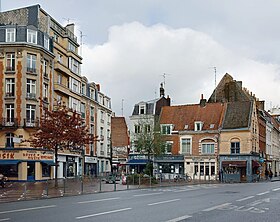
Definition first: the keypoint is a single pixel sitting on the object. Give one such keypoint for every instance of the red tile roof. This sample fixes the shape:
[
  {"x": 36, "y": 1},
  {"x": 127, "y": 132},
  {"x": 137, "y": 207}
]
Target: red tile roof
[{"x": 180, "y": 116}]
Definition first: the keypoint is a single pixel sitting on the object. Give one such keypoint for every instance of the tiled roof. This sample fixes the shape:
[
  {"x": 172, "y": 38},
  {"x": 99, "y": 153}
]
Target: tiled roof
[
  {"x": 119, "y": 132},
  {"x": 237, "y": 115},
  {"x": 183, "y": 115}
]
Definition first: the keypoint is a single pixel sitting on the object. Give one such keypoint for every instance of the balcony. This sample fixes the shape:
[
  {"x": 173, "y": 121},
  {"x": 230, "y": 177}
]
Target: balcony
[
  {"x": 10, "y": 95},
  {"x": 31, "y": 123},
  {"x": 62, "y": 68},
  {"x": 101, "y": 153},
  {"x": 10, "y": 69},
  {"x": 9, "y": 122},
  {"x": 31, "y": 96},
  {"x": 31, "y": 71}
]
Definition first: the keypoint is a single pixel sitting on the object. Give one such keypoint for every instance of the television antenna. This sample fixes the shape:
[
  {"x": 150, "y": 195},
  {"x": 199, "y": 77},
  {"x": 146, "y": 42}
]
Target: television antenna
[{"x": 164, "y": 77}]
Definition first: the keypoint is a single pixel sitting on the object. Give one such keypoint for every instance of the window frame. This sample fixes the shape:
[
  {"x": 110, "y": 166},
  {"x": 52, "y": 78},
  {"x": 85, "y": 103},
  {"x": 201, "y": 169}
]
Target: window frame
[
  {"x": 234, "y": 148},
  {"x": 31, "y": 36},
  {"x": 188, "y": 145},
  {"x": 10, "y": 36},
  {"x": 10, "y": 61}
]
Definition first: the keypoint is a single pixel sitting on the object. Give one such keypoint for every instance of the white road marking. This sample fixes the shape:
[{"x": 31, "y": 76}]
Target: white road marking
[
  {"x": 245, "y": 198},
  {"x": 100, "y": 200},
  {"x": 276, "y": 189},
  {"x": 178, "y": 191},
  {"x": 26, "y": 209},
  {"x": 216, "y": 207},
  {"x": 5, "y": 219},
  {"x": 179, "y": 218},
  {"x": 265, "y": 200},
  {"x": 162, "y": 202},
  {"x": 103, "y": 213},
  {"x": 146, "y": 194},
  {"x": 266, "y": 192}
]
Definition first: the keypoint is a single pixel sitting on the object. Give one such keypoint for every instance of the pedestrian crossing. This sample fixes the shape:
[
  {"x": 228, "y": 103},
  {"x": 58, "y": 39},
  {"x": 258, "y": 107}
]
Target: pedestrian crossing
[{"x": 185, "y": 188}]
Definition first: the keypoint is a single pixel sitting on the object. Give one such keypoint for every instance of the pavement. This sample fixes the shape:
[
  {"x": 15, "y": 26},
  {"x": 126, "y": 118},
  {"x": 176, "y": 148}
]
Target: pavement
[{"x": 17, "y": 191}]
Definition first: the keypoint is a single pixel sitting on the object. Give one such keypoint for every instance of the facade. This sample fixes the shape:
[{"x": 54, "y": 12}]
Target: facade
[
  {"x": 40, "y": 66},
  {"x": 120, "y": 144},
  {"x": 192, "y": 135},
  {"x": 144, "y": 118}
]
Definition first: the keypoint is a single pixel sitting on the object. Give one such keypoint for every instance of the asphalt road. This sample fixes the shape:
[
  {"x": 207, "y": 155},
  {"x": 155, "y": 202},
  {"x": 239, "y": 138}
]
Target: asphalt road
[{"x": 210, "y": 203}]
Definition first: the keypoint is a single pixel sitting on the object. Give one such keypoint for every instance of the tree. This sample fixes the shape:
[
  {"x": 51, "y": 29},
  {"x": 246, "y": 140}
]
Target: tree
[
  {"x": 149, "y": 141},
  {"x": 62, "y": 129}
]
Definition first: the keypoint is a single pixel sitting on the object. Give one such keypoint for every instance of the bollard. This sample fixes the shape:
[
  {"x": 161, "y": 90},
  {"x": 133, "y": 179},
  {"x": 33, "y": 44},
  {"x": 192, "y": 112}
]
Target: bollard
[
  {"x": 127, "y": 186},
  {"x": 25, "y": 191},
  {"x": 47, "y": 188},
  {"x": 115, "y": 184},
  {"x": 100, "y": 184},
  {"x": 139, "y": 181},
  {"x": 64, "y": 185},
  {"x": 150, "y": 181},
  {"x": 82, "y": 185}
]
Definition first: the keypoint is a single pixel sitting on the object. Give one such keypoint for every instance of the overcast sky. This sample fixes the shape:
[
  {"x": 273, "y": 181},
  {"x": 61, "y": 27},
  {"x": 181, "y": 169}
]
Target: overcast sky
[{"x": 129, "y": 44}]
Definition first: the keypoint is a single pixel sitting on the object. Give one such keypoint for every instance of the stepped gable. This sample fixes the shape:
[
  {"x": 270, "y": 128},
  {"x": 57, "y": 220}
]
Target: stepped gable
[
  {"x": 183, "y": 115},
  {"x": 238, "y": 115}
]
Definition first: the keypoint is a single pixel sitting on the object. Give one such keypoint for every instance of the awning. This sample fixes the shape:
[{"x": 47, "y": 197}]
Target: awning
[
  {"x": 137, "y": 162},
  {"x": 255, "y": 163},
  {"x": 241, "y": 163},
  {"x": 50, "y": 163},
  {"x": 9, "y": 162}
]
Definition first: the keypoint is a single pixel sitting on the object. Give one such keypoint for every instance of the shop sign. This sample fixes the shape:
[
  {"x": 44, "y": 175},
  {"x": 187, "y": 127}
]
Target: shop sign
[
  {"x": 25, "y": 155},
  {"x": 89, "y": 159}
]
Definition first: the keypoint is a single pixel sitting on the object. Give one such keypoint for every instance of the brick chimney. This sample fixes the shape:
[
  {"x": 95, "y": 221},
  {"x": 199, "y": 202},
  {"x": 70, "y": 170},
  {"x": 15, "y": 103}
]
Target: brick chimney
[
  {"x": 161, "y": 90},
  {"x": 98, "y": 87},
  {"x": 202, "y": 101}
]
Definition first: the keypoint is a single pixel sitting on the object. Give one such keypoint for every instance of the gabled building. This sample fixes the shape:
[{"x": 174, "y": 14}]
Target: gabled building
[{"x": 192, "y": 135}]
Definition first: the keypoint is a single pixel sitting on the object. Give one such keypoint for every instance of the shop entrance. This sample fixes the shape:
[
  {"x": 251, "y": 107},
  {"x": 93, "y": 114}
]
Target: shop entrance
[{"x": 30, "y": 171}]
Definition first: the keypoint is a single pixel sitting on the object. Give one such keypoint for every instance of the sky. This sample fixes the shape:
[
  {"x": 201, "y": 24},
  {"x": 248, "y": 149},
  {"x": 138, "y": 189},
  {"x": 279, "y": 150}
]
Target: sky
[{"x": 131, "y": 46}]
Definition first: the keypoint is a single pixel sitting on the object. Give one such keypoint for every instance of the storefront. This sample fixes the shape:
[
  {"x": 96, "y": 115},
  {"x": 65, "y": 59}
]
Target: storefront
[
  {"x": 167, "y": 166},
  {"x": 136, "y": 163},
  {"x": 201, "y": 167},
  {"x": 68, "y": 165},
  {"x": 239, "y": 168},
  {"x": 90, "y": 168},
  {"x": 27, "y": 164}
]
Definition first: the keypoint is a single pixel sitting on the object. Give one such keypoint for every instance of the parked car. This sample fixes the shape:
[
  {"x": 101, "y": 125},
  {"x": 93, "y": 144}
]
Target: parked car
[{"x": 110, "y": 178}]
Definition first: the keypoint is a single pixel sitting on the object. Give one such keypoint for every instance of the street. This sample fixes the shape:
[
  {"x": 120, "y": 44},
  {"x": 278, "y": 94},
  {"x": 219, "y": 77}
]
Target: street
[{"x": 208, "y": 202}]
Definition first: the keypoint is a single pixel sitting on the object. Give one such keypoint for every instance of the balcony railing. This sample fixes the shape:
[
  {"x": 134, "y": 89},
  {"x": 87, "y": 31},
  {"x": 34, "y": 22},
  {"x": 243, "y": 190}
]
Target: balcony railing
[
  {"x": 31, "y": 70},
  {"x": 31, "y": 122},
  {"x": 9, "y": 94},
  {"x": 30, "y": 95},
  {"x": 10, "y": 69},
  {"x": 9, "y": 122}
]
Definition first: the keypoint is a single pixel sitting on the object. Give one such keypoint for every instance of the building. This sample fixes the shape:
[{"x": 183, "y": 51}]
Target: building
[
  {"x": 39, "y": 59},
  {"x": 144, "y": 120},
  {"x": 120, "y": 144},
  {"x": 192, "y": 135}
]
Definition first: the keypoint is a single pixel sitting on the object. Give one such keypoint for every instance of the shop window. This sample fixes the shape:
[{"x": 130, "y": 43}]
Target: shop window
[
  {"x": 212, "y": 170},
  {"x": 201, "y": 169},
  {"x": 46, "y": 170},
  {"x": 10, "y": 170}
]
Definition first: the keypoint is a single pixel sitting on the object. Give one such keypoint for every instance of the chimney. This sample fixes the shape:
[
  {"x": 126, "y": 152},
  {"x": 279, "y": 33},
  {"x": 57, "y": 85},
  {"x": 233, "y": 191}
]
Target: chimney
[
  {"x": 70, "y": 27},
  {"x": 260, "y": 105},
  {"x": 168, "y": 100},
  {"x": 202, "y": 101},
  {"x": 161, "y": 90},
  {"x": 98, "y": 87}
]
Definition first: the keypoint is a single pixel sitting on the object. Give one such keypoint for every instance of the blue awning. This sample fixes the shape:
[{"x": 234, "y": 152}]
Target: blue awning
[
  {"x": 50, "y": 163},
  {"x": 137, "y": 162},
  {"x": 9, "y": 162}
]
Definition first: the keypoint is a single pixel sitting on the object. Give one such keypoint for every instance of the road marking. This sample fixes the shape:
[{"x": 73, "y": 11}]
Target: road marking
[
  {"x": 276, "y": 189},
  {"x": 216, "y": 207},
  {"x": 5, "y": 219},
  {"x": 100, "y": 200},
  {"x": 167, "y": 201},
  {"x": 179, "y": 218},
  {"x": 26, "y": 209},
  {"x": 245, "y": 198},
  {"x": 178, "y": 191},
  {"x": 259, "y": 194},
  {"x": 102, "y": 213},
  {"x": 146, "y": 194}
]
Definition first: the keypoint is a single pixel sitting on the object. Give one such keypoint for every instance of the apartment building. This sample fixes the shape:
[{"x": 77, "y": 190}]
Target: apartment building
[{"x": 40, "y": 67}]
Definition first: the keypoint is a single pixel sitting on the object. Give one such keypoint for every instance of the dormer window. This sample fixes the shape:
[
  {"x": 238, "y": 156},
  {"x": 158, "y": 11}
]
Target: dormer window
[
  {"x": 142, "y": 109},
  {"x": 166, "y": 129},
  {"x": 10, "y": 35},
  {"x": 198, "y": 126}
]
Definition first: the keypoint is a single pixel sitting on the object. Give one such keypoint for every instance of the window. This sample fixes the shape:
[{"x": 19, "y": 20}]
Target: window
[
  {"x": 59, "y": 99},
  {"x": 9, "y": 140},
  {"x": 10, "y": 61},
  {"x": 91, "y": 129},
  {"x": 83, "y": 110},
  {"x": 46, "y": 170},
  {"x": 55, "y": 37},
  {"x": 102, "y": 116},
  {"x": 83, "y": 89},
  {"x": 71, "y": 47},
  {"x": 74, "y": 65},
  {"x": 10, "y": 114},
  {"x": 235, "y": 147},
  {"x": 198, "y": 126},
  {"x": 10, "y": 35},
  {"x": 31, "y": 89},
  {"x": 46, "y": 42},
  {"x": 45, "y": 65},
  {"x": 168, "y": 146},
  {"x": 31, "y": 63},
  {"x": 186, "y": 145},
  {"x": 59, "y": 58},
  {"x": 142, "y": 109},
  {"x": 92, "y": 113},
  {"x": 59, "y": 79},
  {"x": 10, "y": 87},
  {"x": 30, "y": 115},
  {"x": 74, "y": 85},
  {"x": 101, "y": 133},
  {"x": 166, "y": 129},
  {"x": 31, "y": 36},
  {"x": 45, "y": 91},
  {"x": 147, "y": 128},
  {"x": 74, "y": 104},
  {"x": 208, "y": 148},
  {"x": 137, "y": 128}
]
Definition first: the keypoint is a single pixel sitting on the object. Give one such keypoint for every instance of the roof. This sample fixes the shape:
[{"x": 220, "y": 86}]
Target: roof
[
  {"x": 238, "y": 115},
  {"x": 180, "y": 116},
  {"x": 119, "y": 132}
]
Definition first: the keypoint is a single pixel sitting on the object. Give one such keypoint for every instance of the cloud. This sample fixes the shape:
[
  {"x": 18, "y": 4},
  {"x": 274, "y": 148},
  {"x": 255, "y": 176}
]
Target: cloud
[{"x": 131, "y": 63}]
